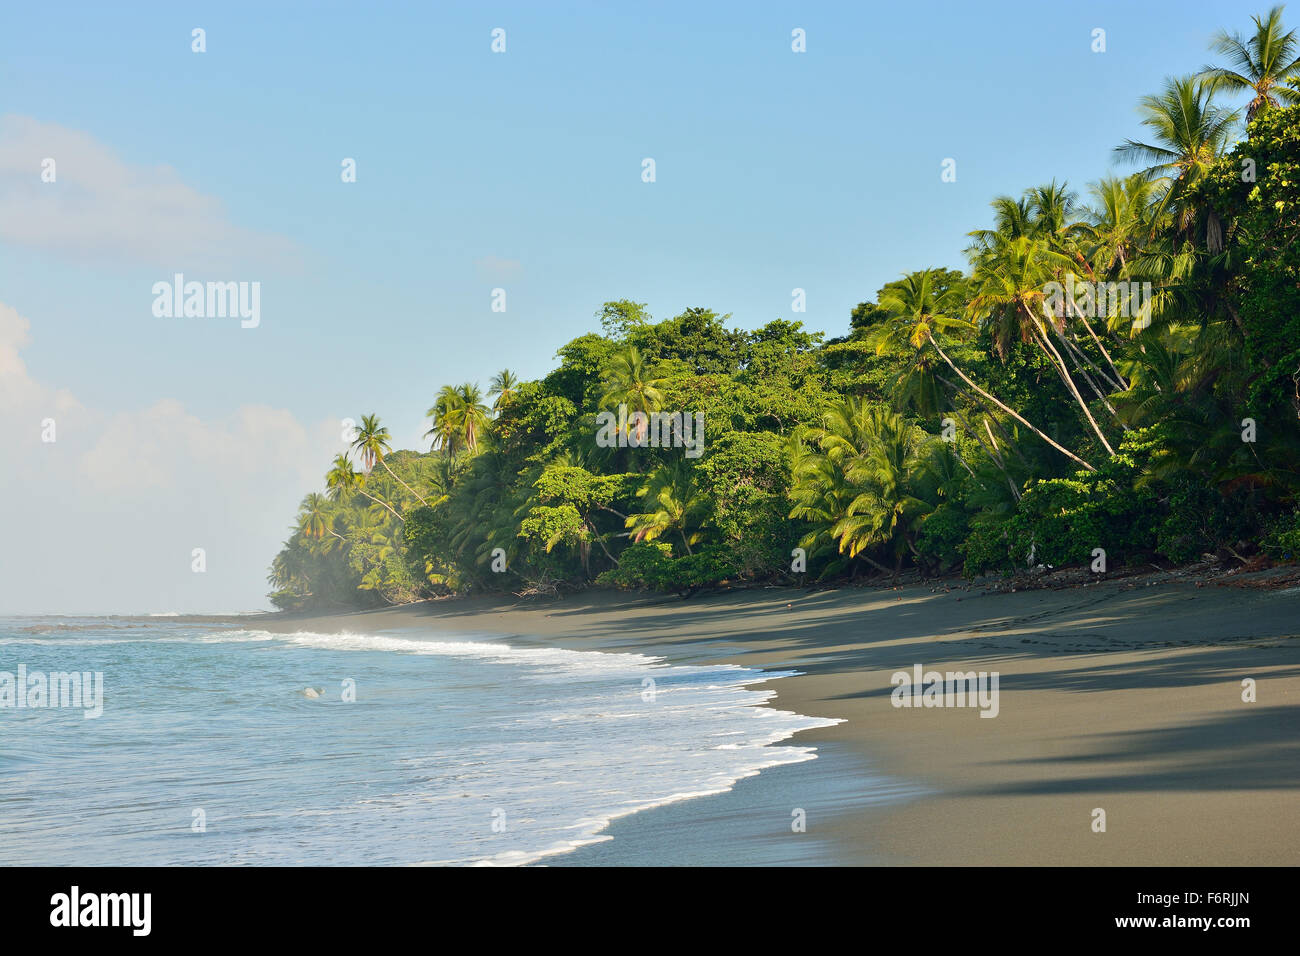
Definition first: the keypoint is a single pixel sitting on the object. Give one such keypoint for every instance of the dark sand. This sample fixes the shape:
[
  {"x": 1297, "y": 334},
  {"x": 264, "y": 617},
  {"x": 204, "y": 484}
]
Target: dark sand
[{"x": 1125, "y": 696}]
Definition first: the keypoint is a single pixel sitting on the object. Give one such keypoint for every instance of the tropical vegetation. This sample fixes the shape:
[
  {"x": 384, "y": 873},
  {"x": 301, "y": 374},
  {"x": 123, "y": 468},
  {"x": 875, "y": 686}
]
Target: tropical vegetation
[{"x": 1038, "y": 407}]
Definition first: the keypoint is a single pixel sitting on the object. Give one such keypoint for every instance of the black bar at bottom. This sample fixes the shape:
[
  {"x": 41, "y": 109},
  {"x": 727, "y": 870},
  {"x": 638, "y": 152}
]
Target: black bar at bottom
[{"x": 327, "y": 906}]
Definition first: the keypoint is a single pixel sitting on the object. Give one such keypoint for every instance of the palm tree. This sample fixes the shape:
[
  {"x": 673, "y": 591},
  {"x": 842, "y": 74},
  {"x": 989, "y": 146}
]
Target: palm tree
[
  {"x": 505, "y": 386},
  {"x": 316, "y": 518},
  {"x": 866, "y": 479},
  {"x": 1190, "y": 133},
  {"x": 674, "y": 503},
  {"x": 1012, "y": 218},
  {"x": 916, "y": 312},
  {"x": 287, "y": 569},
  {"x": 472, "y": 414},
  {"x": 630, "y": 381},
  {"x": 458, "y": 418},
  {"x": 1120, "y": 221},
  {"x": 343, "y": 480},
  {"x": 313, "y": 517},
  {"x": 444, "y": 418},
  {"x": 1011, "y": 284},
  {"x": 281, "y": 574},
  {"x": 1055, "y": 221},
  {"x": 384, "y": 549},
  {"x": 1259, "y": 65},
  {"x": 1052, "y": 209},
  {"x": 372, "y": 444}
]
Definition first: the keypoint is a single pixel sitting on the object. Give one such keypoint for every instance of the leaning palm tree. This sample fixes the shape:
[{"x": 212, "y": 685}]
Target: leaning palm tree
[
  {"x": 1259, "y": 65},
  {"x": 372, "y": 444},
  {"x": 916, "y": 312},
  {"x": 630, "y": 381},
  {"x": 1010, "y": 288},
  {"x": 505, "y": 386},
  {"x": 342, "y": 480}
]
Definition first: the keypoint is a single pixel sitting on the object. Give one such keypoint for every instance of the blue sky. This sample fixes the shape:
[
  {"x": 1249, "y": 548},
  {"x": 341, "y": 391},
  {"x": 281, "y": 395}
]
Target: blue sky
[{"x": 520, "y": 170}]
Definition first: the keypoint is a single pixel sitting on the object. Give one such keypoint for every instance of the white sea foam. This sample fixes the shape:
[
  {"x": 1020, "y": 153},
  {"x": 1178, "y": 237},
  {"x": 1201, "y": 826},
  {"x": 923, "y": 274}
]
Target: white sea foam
[
  {"x": 703, "y": 732},
  {"x": 443, "y": 733}
]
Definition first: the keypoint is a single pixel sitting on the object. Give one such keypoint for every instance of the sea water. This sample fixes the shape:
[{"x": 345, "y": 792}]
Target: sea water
[{"x": 419, "y": 749}]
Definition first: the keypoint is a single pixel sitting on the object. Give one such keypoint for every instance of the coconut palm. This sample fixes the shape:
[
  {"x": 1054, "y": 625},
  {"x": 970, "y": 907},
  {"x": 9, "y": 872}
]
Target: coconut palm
[
  {"x": 1260, "y": 65},
  {"x": 1120, "y": 219},
  {"x": 1010, "y": 291},
  {"x": 458, "y": 418},
  {"x": 286, "y": 566},
  {"x": 371, "y": 442},
  {"x": 316, "y": 522},
  {"x": 1054, "y": 213},
  {"x": 916, "y": 311},
  {"x": 630, "y": 381},
  {"x": 373, "y": 445},
  {"x": 1012, "y": 218},
  {"x": 1189, "y": 134},
  {"x": 673, "y": 502},
  {"x": 505, "y": 386},
  {"x": 1189, "y": 131},
  {"x": 472, "y": 414},
  {"x": 1055, "y": 221},
  {"x": 342, "y": 480},
  {"x": 313, "y": 516},
  {"x": 866, "y": 479},
  {"x": 444, "y": 420}
]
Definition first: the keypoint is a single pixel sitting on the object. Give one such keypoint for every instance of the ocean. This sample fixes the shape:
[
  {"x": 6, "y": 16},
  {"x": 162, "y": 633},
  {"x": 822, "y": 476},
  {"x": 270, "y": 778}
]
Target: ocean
[{"x": 213, "y": 747}]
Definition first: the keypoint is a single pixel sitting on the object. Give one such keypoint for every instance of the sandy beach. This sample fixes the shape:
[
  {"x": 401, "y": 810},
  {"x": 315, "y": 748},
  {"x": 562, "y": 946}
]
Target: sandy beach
[{"x": 1124, "y": 696}]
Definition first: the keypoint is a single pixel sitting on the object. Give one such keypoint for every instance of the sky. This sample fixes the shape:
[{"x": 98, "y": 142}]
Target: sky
[{"x": 476, "y": 170}]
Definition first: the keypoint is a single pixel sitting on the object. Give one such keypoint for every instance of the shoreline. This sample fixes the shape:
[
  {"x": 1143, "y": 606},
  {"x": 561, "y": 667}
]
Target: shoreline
[{"x": 1124, "y": 695}]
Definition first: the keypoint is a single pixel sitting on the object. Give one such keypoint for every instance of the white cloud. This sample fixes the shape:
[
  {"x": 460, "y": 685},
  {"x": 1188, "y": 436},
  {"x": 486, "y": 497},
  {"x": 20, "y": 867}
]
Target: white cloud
[
  {"x": 17, "y": 389},
  {"x": 104, "y": 519},
  {"x": 100, "y": 207}
]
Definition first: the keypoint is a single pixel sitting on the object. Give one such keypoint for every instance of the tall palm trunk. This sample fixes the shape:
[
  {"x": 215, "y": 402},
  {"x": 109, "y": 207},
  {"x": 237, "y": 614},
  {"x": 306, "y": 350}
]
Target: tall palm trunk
[
  {"x": 1080, "y": 359},
  {"x": 402, "y": 483},
  {"x": 381, "y": 502},
  {"x": 1109, "y": 361},
  {"x": 1045, "y": 342},
  {"x": 997, "y": 456},
  {"x": 1006, "y": 408}
]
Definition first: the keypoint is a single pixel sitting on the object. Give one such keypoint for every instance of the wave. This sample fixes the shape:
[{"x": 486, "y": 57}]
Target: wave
[
  {"x": 565, "y": 741},
  {"x": 743, "y": 747}
]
